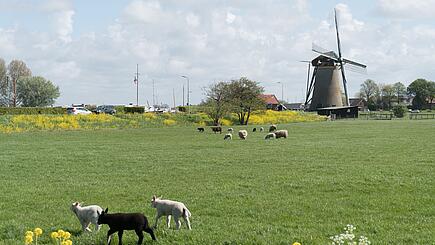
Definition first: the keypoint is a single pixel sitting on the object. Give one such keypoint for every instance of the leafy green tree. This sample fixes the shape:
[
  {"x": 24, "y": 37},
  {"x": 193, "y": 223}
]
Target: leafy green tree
[
  {"x": 420, "y": 90},
  {"x": 217, "y": 101},
  {"x": 387, "y": 96},
  {"x": 370, "y": 92},
  {"x": 399, "y": 110},
  {"x": 399, "y": 91},
  {"x": 36, "y": 91},
  {"x": 244, "y": 97}
]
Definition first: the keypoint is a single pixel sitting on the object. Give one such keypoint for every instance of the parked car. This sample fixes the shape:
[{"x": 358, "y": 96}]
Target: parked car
[
  {"x": 78, "y": 111},
  {"x": 108, "y": 109}
]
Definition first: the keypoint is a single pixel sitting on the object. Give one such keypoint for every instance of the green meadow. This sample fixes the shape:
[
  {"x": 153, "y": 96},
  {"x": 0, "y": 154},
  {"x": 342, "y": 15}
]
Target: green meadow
[{"x": 377, "y": 175}]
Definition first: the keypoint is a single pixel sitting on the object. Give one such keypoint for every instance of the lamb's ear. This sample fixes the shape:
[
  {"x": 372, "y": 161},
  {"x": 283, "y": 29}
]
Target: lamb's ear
[
  {"x": 98, "y": 212},
  {"x": 106, "y": 211},
  {"x": 154, "y": 197}
]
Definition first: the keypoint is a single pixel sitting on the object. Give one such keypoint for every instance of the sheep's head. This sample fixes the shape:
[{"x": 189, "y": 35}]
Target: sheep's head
[
  {"x": 74, "y": 206},
  {"x": 154, "y": 199},
  {"x": 102, "y": 216}
]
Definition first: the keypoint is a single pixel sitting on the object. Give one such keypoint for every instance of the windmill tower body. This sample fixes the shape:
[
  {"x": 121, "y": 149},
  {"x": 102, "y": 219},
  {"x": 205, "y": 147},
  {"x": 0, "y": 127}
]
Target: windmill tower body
[
  {"x": 327, "y": 89},
  {"x": 324, "y": 89}
]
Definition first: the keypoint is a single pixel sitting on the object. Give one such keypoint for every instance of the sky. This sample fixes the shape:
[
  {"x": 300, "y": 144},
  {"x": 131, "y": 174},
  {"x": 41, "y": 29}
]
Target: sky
[{"x": 90, "y": 49}]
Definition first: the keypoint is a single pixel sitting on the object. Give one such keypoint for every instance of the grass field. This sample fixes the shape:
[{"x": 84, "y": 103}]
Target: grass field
[{"x": 376, "y": 175}]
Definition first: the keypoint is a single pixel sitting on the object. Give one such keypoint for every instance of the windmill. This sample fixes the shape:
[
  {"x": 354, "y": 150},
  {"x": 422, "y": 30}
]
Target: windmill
[{"x": 324, "y": 89}]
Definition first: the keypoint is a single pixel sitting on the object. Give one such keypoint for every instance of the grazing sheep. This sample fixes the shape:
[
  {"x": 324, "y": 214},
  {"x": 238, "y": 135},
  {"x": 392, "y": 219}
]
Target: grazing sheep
[
  {"x": 261, "y": 129},
  {"x": 281, "y": 134},
  {"x": 216, "y": 129},
  {"x": 270, "y": 136},
  {"x": 228, "y": 136},
  {"x": 254, "y": 129},
  {"x": 243, "y": 134},
  {"x": 125, "y": 221},
  {"x": 230, "y": 130},
  {"x": 201, "y": 130},
  {"x": 272, "y": 128},
  {"x": 168, "y": 208},
  {"x": 87, "y": 215}
]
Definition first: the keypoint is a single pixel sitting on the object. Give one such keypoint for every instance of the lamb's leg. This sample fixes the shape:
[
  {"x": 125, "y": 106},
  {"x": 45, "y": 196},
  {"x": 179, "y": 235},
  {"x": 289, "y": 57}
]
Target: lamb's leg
[
  {"x": 85, "y": 226},
  {"x": 157, "y": 220},
  {"x": 109, "y": 236},
  {"x": 186, "y": 218},
  {"x": 177, "y": 222},
  {"x": 168, "y": 221},
  {"x": 97, "y": 227},
  {"x": 140, "y": 235},
  {"x": 151, "y": 232},
  {"x": 120, "y": 237}
]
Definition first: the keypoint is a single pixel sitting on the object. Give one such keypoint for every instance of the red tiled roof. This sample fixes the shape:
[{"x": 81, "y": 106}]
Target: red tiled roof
[{"x": 269, "y": 99}]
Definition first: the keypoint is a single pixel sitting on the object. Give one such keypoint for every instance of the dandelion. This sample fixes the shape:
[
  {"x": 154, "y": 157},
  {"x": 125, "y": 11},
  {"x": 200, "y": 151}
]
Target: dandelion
[
  {"x": 54, "y": 235},
  {"x": 28, "y": 239},
  {"x": 66, "y": 235},
  {"x": 38, "y": 232},
  {"x": 66, "y": 242},
  {"x": 296, "y": 243},
  {"x": 29, "y": 233}
]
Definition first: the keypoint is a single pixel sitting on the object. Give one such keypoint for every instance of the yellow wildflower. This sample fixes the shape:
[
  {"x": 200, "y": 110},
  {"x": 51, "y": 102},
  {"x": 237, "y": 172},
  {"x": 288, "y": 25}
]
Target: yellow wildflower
[
  {"x": 28, "y": 239},
  {"x": 54, "y": 235},
  {"x": 38, "y": 231},
  {"x": 296, "y": 243},
  {"x": 61, "y": 233},
  {"x": 29, "y": 233},
  {"x": 66, "y": 235},
  {"x": 66, "y": 242}
]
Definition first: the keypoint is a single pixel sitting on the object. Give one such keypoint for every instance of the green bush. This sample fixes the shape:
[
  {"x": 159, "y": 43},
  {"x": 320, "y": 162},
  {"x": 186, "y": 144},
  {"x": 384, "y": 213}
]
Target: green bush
[
  {"x": 119, "y": 109},
  {"x": 134, "y": 109},
  {"x": 399, "y": 111},
  {"x": 31, "y": 110}
]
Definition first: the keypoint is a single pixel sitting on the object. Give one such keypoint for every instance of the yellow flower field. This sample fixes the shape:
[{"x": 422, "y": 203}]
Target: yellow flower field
[{"x": 22, "y": 123}]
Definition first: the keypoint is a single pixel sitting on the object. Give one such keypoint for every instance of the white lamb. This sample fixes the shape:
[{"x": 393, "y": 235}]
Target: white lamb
[
  {"x": 281, "y": 134},
  {"x": 228, "y": 136},
  {"x": 270, "y": 136},
  {"x": 243, "y": 134},
  {"x": 87, "y": 215},
  {"x": 230, "y": 130},
  {"x": 170, "y": 208}
]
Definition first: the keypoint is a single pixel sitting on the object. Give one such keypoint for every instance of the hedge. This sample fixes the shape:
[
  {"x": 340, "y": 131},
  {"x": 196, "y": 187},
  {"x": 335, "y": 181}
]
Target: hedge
[
  {"x": 31, "y": 110},
  {"x": 134, "y": 109}
]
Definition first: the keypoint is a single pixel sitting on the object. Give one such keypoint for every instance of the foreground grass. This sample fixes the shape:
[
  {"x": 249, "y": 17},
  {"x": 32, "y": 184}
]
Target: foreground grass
[{"x": 377, "y": 175}]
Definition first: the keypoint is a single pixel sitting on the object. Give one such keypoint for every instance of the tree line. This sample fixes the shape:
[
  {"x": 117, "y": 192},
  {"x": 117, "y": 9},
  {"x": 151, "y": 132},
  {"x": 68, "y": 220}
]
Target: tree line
[
  {"x": 241, "y": 96},
  {"x": 19, "y": 88},
  {"x": 384, "y": 96}
]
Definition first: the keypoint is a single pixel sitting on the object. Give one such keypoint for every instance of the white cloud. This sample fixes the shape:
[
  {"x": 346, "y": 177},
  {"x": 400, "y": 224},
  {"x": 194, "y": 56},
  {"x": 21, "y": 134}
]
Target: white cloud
[
  {"x": 63, "y": 21},
  {"x": 405, "y": 9},
  {"x": 144, "y": 11}
]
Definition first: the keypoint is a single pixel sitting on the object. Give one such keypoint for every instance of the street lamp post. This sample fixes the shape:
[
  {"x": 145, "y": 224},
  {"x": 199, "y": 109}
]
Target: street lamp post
[
  {"x": 188, "y": 92},
  {"x": 282, "y": 91}
]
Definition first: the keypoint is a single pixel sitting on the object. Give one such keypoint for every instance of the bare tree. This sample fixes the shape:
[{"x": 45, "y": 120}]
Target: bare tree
[
  {"x": 4, "y": 85},
  {"x": 216, "y": 104},
  {"x": 16, "y": 70}
]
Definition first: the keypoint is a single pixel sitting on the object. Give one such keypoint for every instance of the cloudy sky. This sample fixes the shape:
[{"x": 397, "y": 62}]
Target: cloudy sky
[{"x": 90, "y": 48}]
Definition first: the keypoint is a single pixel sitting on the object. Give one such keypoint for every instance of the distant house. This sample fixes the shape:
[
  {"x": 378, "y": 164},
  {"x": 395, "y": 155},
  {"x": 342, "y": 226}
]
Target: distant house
[
  {"x": 359, "y": 102},
  {"x": 272, "y": 103},
  {"x": 295, "y": 106}
]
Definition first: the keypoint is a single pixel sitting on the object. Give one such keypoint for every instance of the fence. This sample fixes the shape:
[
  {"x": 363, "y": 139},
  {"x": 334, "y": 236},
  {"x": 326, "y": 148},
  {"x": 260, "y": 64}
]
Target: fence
[
  {"x": 419, "y": 116},
  {"x": 376, "y": 116}
]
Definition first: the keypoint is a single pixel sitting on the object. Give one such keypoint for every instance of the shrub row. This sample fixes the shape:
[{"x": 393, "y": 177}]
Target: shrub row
[{"x": 31, "y": 110}]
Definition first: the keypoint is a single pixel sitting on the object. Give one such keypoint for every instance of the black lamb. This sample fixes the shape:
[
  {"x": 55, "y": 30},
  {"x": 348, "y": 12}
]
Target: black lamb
[{"x": 119, "y": 222}]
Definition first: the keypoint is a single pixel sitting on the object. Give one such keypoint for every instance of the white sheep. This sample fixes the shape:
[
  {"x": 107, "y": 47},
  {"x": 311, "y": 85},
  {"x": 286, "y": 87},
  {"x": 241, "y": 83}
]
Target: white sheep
[
  {"x": 170, "y": 208},
  {"x": 230, "y": 130},
  {"x": 270, "y": 136},
  {"x": 87, "y": 215},
  {"x": 281, "y": 134},
  {"x": 243, "y": 134},
  {"x": 228, "y": 136},
  {"x": 261, "y": 129}
]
